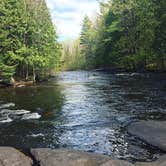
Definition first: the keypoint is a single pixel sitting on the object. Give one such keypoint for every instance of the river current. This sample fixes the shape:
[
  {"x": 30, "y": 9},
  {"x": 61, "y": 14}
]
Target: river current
[{"x": 84, "y": 110}]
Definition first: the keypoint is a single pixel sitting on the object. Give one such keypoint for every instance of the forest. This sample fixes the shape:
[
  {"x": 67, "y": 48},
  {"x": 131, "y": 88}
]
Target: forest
[
  {"x": 82, "y": 82},
  {"x": 28, "y": 40},
  {"x": 124, "y": 35}
]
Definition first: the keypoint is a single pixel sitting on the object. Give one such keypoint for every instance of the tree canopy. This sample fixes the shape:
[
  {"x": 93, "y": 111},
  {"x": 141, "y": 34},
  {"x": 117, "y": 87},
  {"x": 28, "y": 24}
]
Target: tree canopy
[
  {"x": 128, "y": 35},
  {"x": 28, "y": 40}
]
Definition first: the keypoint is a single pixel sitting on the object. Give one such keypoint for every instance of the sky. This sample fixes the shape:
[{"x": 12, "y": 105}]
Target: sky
[{"x": 68, "y": 15}]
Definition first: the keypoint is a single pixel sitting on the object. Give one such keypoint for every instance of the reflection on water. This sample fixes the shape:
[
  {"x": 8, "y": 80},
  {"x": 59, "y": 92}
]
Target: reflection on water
[{"x": 86, "y": 111}]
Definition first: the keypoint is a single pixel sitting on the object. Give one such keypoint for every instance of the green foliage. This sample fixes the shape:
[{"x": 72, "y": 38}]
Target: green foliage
[
  {"x": 87, "y": 40},
  {"x": 126, "y": 34},
  {"x": 28, "y": 39},
  {"x": 6, "y": 72},
  {"x": 71, "y": 58}
]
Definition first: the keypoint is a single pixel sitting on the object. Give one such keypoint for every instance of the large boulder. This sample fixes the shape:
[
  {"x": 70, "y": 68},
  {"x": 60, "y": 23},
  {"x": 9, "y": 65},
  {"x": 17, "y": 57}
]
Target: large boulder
[
  {"x": 12, "y": 157},
  {"x": 160, "y": 162},
  {"x": 114, "y": 162},
  {"x": 66, "y": 157},
  {"x": 152, "y": 132}
]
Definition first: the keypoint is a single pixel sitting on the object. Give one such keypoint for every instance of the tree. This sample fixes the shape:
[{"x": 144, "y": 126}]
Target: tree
[
  {"x": 87, "y": 41},
  {"x": 28, "y": 39},
  {"x": 127, "y": 35}
]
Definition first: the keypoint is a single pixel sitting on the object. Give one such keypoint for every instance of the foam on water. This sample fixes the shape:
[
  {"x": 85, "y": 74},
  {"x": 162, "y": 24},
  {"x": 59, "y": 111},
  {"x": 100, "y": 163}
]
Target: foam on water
[
  {"x": 127, "y": 74},
  {"x": 121, "y": 74},
  {"x": 36, "y": 135},
  {"x": 7, "y": 105},
  {"x": 31, "y": 116},
  {"x": 6, "y": 120},
  {"x": 9, "y": 115},
  {"x": 14, "y": 112},
  {"x": 20, "y": 112}
]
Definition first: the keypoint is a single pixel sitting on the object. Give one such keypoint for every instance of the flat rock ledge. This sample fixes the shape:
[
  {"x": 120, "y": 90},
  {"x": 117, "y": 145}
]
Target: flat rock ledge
[
  {"x": 65, "y": 157},
  {"x": 152, "y": 132},
  {"x": 12, "y": 157}
]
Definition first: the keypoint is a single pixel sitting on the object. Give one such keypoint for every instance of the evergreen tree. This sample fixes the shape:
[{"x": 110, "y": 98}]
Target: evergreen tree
[
  {"x": 29, "y": 47},
  {"x": 129, "y": 35},
  {"x": 87, "y": 41}
]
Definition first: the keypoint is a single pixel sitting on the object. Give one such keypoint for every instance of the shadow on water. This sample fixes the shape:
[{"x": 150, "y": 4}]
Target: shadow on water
[
  {"x": 86, "y": 111},
  {"x": 47, "y": 100}
]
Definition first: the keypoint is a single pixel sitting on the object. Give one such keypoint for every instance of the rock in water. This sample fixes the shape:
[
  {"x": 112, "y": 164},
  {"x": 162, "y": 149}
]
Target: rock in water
[
  {"x": 12, "y": 157},
  {"x": 152, "y": 132},
  {"x": 160, "y": 162},
  {"x": 31, "y": 116},
  {"x": 14, "y": 112},
  {"x": 66, "y": 157},
  {"x": 5, "y": 120},
  {"x": 7, "y": 105}
]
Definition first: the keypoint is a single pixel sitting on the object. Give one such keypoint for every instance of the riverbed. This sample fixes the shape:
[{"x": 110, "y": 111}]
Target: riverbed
[{"x": 84, "y": 110}]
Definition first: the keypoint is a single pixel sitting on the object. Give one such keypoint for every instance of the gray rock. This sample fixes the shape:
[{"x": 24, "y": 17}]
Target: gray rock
[
  {"x": 12, "y": 157},
  {"x": 160, "y": 162},
  {"x": 64, "y": 157},
  {"x": 152, "y": 132},
  {"x": 117, "y": 163}
]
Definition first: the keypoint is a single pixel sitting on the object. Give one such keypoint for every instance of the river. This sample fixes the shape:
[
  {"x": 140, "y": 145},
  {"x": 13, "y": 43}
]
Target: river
[{"x": 84, "y": 110}]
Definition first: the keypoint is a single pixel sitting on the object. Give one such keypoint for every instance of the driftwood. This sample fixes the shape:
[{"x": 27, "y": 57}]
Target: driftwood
[
  {"x": 22, "y": 83},
  {"x": 15, "y": 83}
]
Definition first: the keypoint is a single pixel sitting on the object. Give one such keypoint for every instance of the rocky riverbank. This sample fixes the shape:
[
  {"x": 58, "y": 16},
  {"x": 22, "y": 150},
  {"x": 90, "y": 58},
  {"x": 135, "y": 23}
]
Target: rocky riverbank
[
  {"x": 153, "y": 132},
  {"x": 64, "y": 157}
]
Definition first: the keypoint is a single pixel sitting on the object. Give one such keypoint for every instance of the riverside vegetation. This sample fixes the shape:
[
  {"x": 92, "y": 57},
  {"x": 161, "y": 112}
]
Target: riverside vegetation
[
  {"x": 86, "y": 110},
  {"x": 28, "y": 41},
  {"x": 126, "y": 35}
]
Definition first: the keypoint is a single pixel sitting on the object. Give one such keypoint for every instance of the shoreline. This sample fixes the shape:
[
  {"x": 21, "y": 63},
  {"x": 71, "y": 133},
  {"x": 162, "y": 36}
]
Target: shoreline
[
  {"x": 22, "y": 83},
  {"x": 10, "y": 156}
]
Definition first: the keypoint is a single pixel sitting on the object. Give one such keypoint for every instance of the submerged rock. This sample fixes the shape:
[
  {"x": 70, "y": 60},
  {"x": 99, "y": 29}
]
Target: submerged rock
[
  {"x": 66, "y": 157},
  {"x": 160, "y": 162},
  {"x": 8, "y": 115},
  {"x": 152, "y": 132},
  {"x": 12, "y": 157}
]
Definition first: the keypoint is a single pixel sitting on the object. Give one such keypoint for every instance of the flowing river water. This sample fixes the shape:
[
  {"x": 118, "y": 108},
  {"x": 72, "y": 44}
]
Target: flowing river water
[{"x": 84, "y": 110}]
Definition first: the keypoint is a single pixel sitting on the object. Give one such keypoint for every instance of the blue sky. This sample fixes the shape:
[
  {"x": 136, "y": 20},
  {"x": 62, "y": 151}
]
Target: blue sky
[{"x": 67, "y": 15}]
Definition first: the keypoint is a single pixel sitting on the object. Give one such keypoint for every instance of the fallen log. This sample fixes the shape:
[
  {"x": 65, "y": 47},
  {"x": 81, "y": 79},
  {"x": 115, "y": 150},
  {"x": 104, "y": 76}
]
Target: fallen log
[{"x": 23, "y": 83}]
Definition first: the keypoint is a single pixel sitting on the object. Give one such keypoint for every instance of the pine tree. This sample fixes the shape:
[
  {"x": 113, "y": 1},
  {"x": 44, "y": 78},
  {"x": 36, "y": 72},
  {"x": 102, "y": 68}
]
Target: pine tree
[{"x": 28, "y": 40}]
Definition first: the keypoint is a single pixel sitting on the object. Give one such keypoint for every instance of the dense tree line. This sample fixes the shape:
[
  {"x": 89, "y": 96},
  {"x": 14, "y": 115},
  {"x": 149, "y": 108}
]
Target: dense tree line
[
  {"x": 127, "y": 35},
  {"x": 28, "y": 45}
]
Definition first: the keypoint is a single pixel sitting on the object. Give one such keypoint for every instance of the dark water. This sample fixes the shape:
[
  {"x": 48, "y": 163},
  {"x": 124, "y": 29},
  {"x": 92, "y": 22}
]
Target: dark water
[{"x": 84, "y": 110}]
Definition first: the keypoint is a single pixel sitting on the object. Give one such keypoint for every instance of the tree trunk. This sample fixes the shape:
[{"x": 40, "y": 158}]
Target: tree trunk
[
  {"x": 27, "y": 74},
  {"x": 34, "y": 74}
]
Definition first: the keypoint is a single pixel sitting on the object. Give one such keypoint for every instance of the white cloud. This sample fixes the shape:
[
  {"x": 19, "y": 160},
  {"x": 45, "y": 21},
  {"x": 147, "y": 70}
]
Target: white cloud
[{"x": 67, "y": 15}]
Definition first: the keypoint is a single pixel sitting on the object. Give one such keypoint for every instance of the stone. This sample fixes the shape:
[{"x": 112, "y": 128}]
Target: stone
[
  {"x": 117, "y": 163},
  {"x": 12, "y": 157},
  {"x": 66, "y": 157},
  {"x": 160, "y": 162},
  {"x": 152, "y": 132}
]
